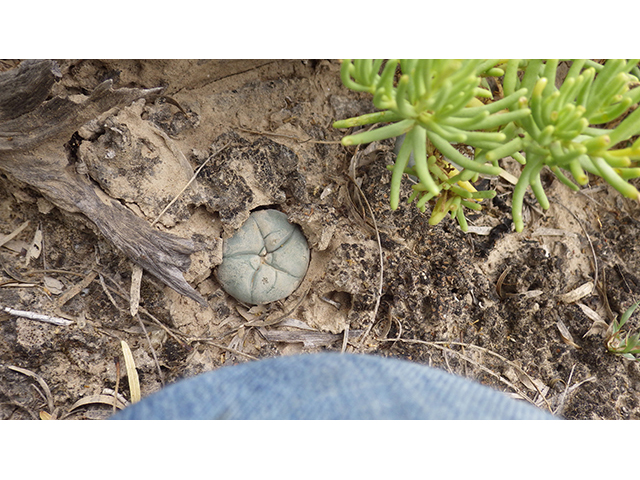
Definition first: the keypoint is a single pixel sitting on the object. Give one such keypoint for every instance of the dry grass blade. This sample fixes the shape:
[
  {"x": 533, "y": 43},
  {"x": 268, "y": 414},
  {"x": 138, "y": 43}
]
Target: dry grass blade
[
  {"x": 106, "y": 289},
  {"x": 503, "y": 275},
  {"x": 590, "y": 313},
  {"x": 602, "y": 289},
  {"x": 7, "y": 238},
  {"x": 132, "y": 373},
  {"x": 91, "y": 399},
  {"x": 295, "y": 323},
  {"x": 599, "y": 326},
  {"x": 577, "y": 293},
  {"x": 45, "y": 416},
  {"x": 490, "y": 372},
  {"x": 566, "y": 335},
  {"x": 112, "y": 393},
  {"x": 331, "y": 302},
  {"x": 115, "y": 391},
  {"x": 308, "y": 339},
  {"x": 35, "y": 247},
  {"x": 18, "y": 285},
  {"x": 508, "y": 362},
  {"x": 76, "y": 289},
  {"x": 40, "y": 380},
  {"x": 213, "y": 343},
  {"x": 238, "y": 339},
  {"x": 561, "y": 404},
  {"x": 512, "y": 179},
  {"x": 568, "y": 390},
  {"x": 345, "y": 339},
  {"x": 445, "y": 346},
  {"x": 535, "y": 384},
  {"x": 134, "y": 295}
]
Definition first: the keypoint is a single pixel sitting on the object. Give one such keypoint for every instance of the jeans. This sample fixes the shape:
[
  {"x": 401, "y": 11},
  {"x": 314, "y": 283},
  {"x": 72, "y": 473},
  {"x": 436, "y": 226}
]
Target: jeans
[{"x": 329, "y": 386}]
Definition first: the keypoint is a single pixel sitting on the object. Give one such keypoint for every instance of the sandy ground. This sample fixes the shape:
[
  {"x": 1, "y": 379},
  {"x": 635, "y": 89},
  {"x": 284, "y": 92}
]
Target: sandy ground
[{"x": 487, "y": 306}]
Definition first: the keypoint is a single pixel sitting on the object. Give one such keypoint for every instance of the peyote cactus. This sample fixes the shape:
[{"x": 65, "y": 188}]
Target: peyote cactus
[{"x": 265, "y": 260}]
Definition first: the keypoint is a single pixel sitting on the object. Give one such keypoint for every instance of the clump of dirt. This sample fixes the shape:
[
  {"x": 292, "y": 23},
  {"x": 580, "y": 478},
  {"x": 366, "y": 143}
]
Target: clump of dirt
[{"x": 489, "y": 307}]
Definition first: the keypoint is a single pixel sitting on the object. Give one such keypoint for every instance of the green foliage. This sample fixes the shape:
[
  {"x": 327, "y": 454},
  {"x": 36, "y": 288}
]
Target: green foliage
[
  {"x": 629, "y": 345},
  {"x": 436, "y": 103}
]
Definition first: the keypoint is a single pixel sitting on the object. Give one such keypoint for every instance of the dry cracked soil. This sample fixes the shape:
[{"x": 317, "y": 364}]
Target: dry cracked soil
[{"x": 521, "y": 312}]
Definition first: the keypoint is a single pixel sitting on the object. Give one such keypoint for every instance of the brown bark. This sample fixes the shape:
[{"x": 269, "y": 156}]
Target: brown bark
[{"x": 33, "y": 132}]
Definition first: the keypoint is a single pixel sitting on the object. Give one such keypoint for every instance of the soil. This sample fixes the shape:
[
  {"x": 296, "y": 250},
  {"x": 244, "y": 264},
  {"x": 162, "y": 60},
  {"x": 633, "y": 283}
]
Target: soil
[{"x": 489, "y": 306}]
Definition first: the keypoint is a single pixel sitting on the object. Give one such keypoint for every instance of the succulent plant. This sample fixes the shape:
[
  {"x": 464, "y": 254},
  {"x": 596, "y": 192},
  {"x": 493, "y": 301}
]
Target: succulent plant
[
  {"x": 440, "y": 103},
  {"x": 265, "y": 260},
  {"x": 563, "y": 130},
  {"x": 629, "y": 345}
]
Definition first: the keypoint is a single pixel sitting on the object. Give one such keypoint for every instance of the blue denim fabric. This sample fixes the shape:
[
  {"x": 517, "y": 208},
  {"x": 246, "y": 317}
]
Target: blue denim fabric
[{"x": 329, "y": 386}]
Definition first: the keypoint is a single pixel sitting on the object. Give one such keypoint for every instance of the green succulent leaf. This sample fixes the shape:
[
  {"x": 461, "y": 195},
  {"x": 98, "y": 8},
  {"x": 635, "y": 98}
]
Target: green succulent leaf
[
  {"x": 382, "y": 133},
  {"x": 437, "y": 103}
]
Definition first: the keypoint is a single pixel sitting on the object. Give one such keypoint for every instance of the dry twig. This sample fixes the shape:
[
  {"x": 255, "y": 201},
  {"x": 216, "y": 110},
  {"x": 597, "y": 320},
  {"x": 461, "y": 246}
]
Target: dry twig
[
  {"x": 213, "y": 343},
  {"x": 134, "y": 295},
  {"x": 37, "y": 316},
  {"x": 76, "y": 289}
]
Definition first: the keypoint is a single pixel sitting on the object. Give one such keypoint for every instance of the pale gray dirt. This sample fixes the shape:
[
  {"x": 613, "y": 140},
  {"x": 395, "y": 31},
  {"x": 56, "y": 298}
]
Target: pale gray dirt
[{"x": 264, "y": 129}]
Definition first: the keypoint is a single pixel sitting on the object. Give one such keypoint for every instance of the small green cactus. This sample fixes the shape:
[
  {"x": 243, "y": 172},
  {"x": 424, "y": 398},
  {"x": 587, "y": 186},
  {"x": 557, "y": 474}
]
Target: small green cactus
[{"x": 265, "y": 260}]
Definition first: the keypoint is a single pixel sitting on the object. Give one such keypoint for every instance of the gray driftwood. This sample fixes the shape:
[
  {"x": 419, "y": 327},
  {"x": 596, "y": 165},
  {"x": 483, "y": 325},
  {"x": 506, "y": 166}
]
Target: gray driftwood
[{"x": 33, "y": 132}]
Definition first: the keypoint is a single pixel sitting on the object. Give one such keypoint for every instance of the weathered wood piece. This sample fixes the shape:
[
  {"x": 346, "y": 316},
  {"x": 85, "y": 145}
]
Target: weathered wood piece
[{"x": 33, "y": 132}]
